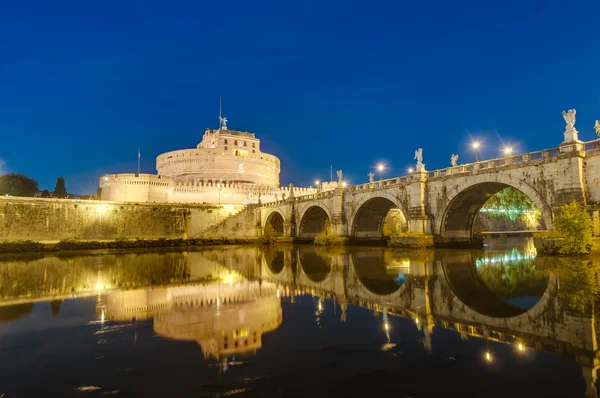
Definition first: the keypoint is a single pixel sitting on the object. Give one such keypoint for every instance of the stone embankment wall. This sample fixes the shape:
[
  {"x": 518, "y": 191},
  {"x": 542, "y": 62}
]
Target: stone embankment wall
[
  {"x": 242, "y": 225},
  {"x": 57, "y": 219}
]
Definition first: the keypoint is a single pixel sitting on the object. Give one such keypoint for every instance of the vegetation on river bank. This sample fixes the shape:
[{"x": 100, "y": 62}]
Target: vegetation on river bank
[{"x": 29, "y": 246}]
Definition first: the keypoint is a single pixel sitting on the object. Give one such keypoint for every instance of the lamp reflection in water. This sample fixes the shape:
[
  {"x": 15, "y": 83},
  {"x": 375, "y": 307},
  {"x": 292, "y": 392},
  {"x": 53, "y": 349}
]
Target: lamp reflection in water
[{"x": 488, "y": 356}]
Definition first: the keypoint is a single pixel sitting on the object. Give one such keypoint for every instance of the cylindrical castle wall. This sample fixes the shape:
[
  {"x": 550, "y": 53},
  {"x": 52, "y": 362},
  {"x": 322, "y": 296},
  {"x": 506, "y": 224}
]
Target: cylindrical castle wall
[
  {"x": 129, "y": 188},
  {"x": 206, "y": 164}
]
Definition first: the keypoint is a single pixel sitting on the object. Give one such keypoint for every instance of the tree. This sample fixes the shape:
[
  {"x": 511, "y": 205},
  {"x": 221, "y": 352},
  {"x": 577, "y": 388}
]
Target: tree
[
  {"x": 510, "y": 203},
  {"x": 45, "y": 193},
  {"x": 17, "y": 185},
  {"x": 98, "y": 194},
  {"x": 60, "y": 191},
  {"x": 574, "y": 225}
]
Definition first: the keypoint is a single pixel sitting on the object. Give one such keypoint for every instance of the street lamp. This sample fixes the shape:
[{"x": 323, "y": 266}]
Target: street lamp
[
  {"x": 476, "y": 146},
  {"x": 410, "y": 170},
  {"x": 317, "y": 182},
  {"x": 219, "y": 189},
  {"x": 380, "y": 168},
  {"x": 508, "y": 150}
]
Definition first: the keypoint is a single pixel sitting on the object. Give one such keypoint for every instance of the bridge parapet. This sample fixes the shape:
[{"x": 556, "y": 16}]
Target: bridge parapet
[{"x": 532, "y": 158}]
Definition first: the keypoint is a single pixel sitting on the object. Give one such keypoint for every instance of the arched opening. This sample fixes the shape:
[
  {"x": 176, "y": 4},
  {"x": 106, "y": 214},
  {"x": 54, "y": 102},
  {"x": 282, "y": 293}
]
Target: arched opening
[
  {"x": 314, "y": 221},
  {"x": 275, "y": 222},
  {"x": 461, "y": 214},
  {"x": 499, "y": 284},
  {"x": 379, "y": 217},
  {"x": 509, "y": 210},
  {"x": 316, "y": 267},
  {"x": 275, "y": 260},
  {"x": 374, "y": 275}
]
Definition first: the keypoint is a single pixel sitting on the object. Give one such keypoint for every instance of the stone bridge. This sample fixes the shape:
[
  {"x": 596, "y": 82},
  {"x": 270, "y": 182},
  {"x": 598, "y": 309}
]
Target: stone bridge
[{"x": 442, "y": 203}]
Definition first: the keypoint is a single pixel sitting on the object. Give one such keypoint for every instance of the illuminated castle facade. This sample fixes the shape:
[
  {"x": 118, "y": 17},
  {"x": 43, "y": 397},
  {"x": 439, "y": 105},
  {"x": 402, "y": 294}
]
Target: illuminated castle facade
[{"x": 226, "y": 167}]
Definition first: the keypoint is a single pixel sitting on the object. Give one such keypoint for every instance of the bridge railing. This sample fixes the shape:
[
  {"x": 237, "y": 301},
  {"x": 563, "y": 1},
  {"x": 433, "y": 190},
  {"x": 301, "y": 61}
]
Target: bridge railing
[
  {"x": 495, "y": 163},
  {"x": 592, "y": 146},
  {"x": 537, "y": 156}
]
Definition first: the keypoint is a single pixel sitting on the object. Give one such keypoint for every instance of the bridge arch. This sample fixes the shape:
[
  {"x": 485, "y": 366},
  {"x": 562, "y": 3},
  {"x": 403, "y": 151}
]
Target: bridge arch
[
  {"x": 371, "y": 212},
  {"x": 275, "y": 219},
  {"x": 315, "y": 267},
  {"x": 466, "y": 199},
  {"x": 313, "y": 220},
  {"x": 373, "y": 279},
  {"x": 472, "y": 297}
]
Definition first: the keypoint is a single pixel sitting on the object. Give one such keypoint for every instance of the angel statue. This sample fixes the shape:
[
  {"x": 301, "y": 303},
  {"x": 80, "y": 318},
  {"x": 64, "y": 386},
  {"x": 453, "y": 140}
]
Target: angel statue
[
  {"x": 371, "y": 177},
  {"x": 419, "y": 156},
  {"x": 454, "y": 160},
  {"x": 340, "y": 176},
  {"x": 569, "y": 119},
  {"x": 597, "y": 127}
]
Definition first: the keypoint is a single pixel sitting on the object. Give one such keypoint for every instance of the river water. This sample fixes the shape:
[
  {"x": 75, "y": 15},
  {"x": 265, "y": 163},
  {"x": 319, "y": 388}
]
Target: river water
[{"x": 299, "y": 321}]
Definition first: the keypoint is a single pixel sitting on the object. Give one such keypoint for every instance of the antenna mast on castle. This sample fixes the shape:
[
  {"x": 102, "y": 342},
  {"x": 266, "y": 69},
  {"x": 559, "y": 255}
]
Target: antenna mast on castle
[{"x": 139, "y": 162}]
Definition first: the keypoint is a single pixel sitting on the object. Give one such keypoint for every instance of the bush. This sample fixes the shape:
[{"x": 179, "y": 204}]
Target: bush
[
  {"x": 574, "y": 225},
  {"x": 269, "y": 236}
]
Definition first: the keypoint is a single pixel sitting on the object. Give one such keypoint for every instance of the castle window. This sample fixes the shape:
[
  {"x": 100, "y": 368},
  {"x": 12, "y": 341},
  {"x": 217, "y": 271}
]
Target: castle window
[
  {"x": 225, "y": 148},
  {"x": 235, "y": 143},
  {"x": 244, "y": 143},
  {"x": 254, "y": 145},
  {"x": 225, "y": 141},
  {"x": 253, "y": 151}
]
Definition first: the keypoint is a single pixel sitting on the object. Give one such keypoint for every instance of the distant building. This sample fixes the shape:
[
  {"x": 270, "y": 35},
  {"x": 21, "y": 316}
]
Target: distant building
[{"x": 226, "y": 167}]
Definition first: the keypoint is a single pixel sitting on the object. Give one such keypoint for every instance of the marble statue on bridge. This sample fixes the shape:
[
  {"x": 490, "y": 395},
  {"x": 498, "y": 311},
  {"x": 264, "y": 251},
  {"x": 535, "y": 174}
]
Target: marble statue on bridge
[
  {"x": 371, "y": 177},
  {"x": 340, "y": 176},
  {"x": 419, "y": 157},
  {"x": 569, "y": 119},
  {"x": 454, "y": 160},
  {"x": 571, "y": 134},
  {"x": 597, "y": 127}
]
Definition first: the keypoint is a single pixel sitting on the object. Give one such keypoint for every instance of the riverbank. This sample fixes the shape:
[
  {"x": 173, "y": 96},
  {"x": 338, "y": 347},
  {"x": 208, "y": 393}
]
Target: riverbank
[{"x": 28, "y": 246}]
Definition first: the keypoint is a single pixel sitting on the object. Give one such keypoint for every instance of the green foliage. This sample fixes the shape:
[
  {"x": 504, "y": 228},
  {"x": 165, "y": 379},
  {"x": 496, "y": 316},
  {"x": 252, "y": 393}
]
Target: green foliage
[
  {"x": 60, "y": 190},
  {"x": 17, "y": 185},
  {"x": 269, "y": 236},
  {"x": 578, "y": 283},
  {"x": 574, "y": 225},
  {"x": 45, "y": 193},
  {"x": 326, "y": 239},
  {"x": 514, "y": 278},
  {"x": 510, "y": 203}
]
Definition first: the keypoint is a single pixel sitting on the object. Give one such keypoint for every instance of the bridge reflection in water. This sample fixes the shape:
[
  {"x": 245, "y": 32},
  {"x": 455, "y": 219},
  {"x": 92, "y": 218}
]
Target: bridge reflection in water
[{"x": 226, "y": 300}]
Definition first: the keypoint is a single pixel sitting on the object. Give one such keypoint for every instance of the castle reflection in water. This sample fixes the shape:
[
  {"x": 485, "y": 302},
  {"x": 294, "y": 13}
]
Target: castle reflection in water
[{"x": 227, "y": 298}]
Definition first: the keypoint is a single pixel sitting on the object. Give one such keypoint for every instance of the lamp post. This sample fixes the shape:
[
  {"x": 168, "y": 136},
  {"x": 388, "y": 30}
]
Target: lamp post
[
  {"x": 219, "y": 189},
  {"x": 317, "y": 182},
  {"x": 380, "y": 169},
  {"x": 476, "y": 146},
  {"x": 508, "y": 150}
]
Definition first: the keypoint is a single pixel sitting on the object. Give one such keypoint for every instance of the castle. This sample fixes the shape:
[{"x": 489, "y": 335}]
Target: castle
[{"x": 226, "y": 167}]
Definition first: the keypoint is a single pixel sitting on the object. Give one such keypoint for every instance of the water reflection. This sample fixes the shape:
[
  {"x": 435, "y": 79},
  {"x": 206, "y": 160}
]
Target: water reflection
[{"x": 227, "y": 299}]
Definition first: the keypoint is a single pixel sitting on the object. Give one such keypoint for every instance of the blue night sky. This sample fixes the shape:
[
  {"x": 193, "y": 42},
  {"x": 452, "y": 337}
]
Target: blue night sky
[{"x": 85, "y": 83}]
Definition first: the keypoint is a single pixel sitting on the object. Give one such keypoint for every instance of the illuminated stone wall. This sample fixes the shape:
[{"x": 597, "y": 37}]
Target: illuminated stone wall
[{"x": 57, "y": 219}]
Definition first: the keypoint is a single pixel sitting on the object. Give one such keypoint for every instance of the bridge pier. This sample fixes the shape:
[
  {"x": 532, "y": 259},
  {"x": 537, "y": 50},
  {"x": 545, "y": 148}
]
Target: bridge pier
[
  {"x": 418, "y": 219},
  {"x": 571, "y": 185}
]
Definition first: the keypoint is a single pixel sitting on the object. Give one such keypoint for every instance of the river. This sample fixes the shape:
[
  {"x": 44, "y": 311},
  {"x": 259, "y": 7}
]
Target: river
[{"x": 299, "y": 321}]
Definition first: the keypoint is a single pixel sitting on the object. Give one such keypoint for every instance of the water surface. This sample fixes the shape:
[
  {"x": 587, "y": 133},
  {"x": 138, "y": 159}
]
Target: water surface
[{"x": 299, "y": 321}]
